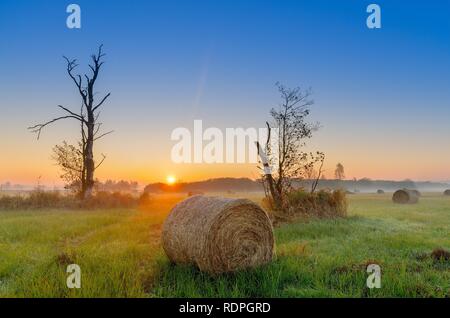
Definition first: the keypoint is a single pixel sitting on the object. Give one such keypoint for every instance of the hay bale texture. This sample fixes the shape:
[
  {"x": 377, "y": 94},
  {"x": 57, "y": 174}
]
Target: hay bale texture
[
  {"x": 405, "y": 196},
  {"x": 447, "y": 192},
  {"x": 218, "y": 234}
]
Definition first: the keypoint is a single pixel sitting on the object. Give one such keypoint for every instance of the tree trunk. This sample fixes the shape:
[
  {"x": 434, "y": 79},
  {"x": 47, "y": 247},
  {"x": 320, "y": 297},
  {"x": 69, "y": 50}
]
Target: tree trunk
[
  {"x": 90, "y": 165},
  {"x": 268, "y": 175}
]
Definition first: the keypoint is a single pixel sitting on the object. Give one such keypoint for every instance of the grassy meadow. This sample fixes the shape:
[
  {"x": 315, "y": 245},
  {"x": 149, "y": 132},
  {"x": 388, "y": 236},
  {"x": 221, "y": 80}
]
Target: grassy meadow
[{"x": 120, "y": 255}]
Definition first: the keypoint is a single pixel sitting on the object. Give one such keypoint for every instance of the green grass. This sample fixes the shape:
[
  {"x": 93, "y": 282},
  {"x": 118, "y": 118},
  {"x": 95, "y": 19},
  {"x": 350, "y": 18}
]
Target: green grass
[{"x": 120, "y": 255}]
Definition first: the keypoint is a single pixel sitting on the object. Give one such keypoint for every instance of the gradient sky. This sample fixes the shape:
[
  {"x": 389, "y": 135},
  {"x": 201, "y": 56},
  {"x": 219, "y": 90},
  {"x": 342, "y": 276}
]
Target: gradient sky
[{"x": 382, "y": 96}]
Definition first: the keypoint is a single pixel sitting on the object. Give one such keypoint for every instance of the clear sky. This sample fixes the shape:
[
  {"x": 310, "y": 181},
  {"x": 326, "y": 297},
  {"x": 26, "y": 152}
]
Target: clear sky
[{"x": 382, "y": 96}]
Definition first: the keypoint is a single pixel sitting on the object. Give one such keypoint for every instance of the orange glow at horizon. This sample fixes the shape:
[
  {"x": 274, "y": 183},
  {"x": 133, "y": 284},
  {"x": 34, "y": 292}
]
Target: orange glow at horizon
[
  {"x": 24, "y": 174},
  {"x": 25, "y": 164},
  {"x": 171, "y": 179}
]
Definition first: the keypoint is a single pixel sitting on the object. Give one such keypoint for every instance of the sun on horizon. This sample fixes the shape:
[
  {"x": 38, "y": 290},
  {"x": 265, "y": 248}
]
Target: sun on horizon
[{"x": 171, "y": 179}]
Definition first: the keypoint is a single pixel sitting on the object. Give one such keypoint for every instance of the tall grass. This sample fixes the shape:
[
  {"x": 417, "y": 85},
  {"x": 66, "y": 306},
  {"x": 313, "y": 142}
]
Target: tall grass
[{"x": 39, "y": 199}]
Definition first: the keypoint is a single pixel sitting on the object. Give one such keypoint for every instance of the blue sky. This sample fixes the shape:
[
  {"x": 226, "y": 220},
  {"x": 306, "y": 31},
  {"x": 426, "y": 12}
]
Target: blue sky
[{"x": 382, "y": 95}]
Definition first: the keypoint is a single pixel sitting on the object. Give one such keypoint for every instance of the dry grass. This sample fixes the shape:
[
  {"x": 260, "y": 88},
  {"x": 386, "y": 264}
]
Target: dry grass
[
  {"x": 440, "y": 254},
  {"x": 38, "y": 199},
  {"x": 303, "y": 205}
]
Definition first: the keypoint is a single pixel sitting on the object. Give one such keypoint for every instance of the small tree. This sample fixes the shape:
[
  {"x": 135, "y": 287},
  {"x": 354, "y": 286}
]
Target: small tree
[
  {"x": 70, "y": 160},
  {"x": 339, "y": 172},
  {"x": 288, "y": 158}
]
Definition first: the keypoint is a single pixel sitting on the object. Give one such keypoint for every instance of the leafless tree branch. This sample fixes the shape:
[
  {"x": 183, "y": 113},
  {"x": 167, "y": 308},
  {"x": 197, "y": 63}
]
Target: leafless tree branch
[
  {"x": 103, "y": 135},
  {"x": 101, "y": 102},
  {"x": 38, "y": 128},
  {"x": 101, "y": 161},
  {"x": 80, "y": 117}
]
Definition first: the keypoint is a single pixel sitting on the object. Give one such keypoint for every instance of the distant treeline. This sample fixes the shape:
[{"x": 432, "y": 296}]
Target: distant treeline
[
  {"x": 211, "y": 185},
  {"x": 9, "y": 186},
  {"x": 248, "y": 185},
  {"x": 99, "y": 186},
  {"x": 117, "y": 186}
]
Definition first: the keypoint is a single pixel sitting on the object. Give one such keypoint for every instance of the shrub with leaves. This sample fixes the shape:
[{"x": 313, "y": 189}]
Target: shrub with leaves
[{"x": 303, "y": 204}]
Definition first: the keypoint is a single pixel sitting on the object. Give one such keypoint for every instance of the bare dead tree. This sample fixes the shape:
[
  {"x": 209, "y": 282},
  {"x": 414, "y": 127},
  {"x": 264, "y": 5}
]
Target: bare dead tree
[{"x": 88, "y": 117}]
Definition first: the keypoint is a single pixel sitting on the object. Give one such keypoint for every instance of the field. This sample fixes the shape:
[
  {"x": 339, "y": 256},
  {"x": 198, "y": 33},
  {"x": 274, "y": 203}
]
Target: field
[{"x": 120, "y": 254}]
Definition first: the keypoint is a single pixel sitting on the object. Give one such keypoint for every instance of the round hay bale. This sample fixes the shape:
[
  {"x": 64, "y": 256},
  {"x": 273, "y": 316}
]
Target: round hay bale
[
  {"x": 416, "y": 192},
  {"x": 447, "y": 192},
  {"x": 405, "y": 196},
  {"x": 380, "y": 191},
  {"x": 218, "y": 234}
]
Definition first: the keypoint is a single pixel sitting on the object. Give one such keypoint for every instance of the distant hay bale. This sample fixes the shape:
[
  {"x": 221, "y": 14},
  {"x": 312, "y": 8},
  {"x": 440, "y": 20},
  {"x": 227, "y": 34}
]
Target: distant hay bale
[
  {"x": 447, "y": 192},
  {"x": 218, "y": 234},
  {"x": 405, "y": 196},
  {"x": 416, "y": 192},
  {"x": 380, "y": 191}
]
